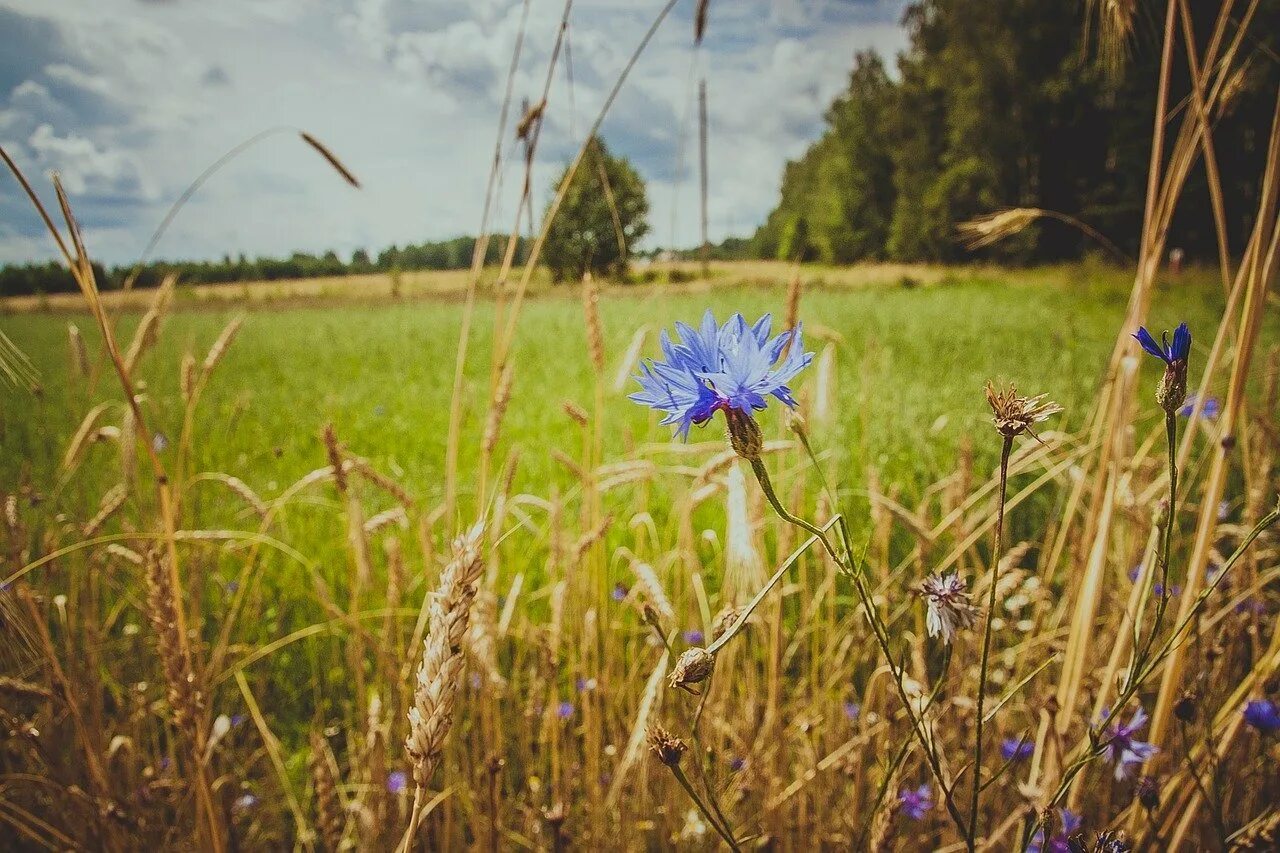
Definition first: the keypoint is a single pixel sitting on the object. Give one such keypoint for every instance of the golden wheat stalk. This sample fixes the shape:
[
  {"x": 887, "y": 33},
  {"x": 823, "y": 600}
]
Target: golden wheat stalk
[{"x": 441, "y": 669}]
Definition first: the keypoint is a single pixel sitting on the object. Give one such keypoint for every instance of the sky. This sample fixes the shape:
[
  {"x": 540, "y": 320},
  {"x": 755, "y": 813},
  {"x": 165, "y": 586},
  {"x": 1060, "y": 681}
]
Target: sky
[{"x": 130, "y": 100}]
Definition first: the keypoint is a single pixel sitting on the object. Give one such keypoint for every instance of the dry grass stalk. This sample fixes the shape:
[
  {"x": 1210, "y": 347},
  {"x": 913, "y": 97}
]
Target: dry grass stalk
[
  {"x": 219, "y": 348},
  {"x": 497, "y": 411},
  {"x": 396, "y": 515},
  {"x": 331, "y": 158},
  {"x": 328, "y": 802},
  {"x": 826, "y": 391},
  {"x": 107, "y": 507},
  {"x": 148, "y": 331},
  {"x": 241, "y": 488},
  {"x": 595, "y": 329},
  {"x": 654, "y": 594},
  {"x": 127, "y": 554},
  {"x": 186, "y": 699},
  {"x": 79, "y": 352},
  {"x": 187, "y": 377},
  {"x": 630, "y": 359},
  {"x": 15, "y": 366},
  {"x": 16, "y": 689},
  {"x": 744, "y": 570},
  {"x": 575, "y": 412},
  {"x": 440, "y": 672},
  {"x": 482, "y": 637},
  {"x": 364, "y": 468},
  {"x": 80, "y": 439},
  {"x": 128, "y": 448}
]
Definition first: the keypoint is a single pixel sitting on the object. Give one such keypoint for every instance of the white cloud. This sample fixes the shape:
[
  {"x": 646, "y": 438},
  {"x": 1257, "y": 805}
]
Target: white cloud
[{"x": 142, "y": 96}]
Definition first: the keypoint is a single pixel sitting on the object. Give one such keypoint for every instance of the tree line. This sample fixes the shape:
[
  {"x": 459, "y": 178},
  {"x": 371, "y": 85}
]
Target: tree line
[
  {"x": 449, "y": 254},
  {"x": 1010, "y": 103}
]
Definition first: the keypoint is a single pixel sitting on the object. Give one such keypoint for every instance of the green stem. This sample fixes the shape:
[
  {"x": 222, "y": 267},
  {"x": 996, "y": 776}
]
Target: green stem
[
  {"x": 702, "y": 807},
  {"x": 877, "y": 629},
  {"x": 972, "y": 839}
]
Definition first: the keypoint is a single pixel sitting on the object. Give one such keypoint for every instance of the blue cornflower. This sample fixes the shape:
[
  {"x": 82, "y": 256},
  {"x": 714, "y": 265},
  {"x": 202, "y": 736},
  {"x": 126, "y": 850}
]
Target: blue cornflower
[
  {"x": 397, "y": 781},
  {"x": 1172, "y": 390},
  {"x": 916, "y": 802},
  {"x": 852, "y": 710},
  {"x": 564, "y": 710},
  {"x": 693, "y": 637},
  {"x": 737, "y": 764},
  {"x": 1122, "y": 749},
  {"x": 1263, "y": 715},
  {"x": 1178, "y": 351},
  {"x": 1059, "y": 842},
  {"x": 720, "y": 368},
  {"x": 1211, "y": 408},
  {"x": 620, "y": 592},
  {"x": 1016, "y": 749}
]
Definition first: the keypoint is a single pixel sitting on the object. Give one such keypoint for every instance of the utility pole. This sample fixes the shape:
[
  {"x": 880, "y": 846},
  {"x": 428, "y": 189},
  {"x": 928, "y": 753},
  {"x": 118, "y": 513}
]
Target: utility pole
[{"x": 702, "y": 139}]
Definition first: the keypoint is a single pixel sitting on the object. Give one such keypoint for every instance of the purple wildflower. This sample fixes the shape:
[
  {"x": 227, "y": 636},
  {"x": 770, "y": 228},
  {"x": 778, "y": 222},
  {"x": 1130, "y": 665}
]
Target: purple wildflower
[
  {"x": 564, "y": 710},
  {"x": 1123, "y": 749},
  {"x": 693, "y": 637},
  {"x": 718, "y": 368},
  {"x": 737, "y": 764},
  {"x": 1263, "y": 715},
  {"x": 916, "y": 802},
  {"x": 397, "y": 781},
  {"x": 1058, "y": 842},
  {"x": 852, "y": 710},
  {"x": 620, "y": 592},
  {"x": 1016, "y": 749},
  {"x": 1210, "y": 410},
  {"x": 1178, "y": 351},
  {"x": 949, "y": 606}
]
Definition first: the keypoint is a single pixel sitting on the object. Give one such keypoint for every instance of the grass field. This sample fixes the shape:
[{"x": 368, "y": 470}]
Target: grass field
[{"x": 307, "y": 608}]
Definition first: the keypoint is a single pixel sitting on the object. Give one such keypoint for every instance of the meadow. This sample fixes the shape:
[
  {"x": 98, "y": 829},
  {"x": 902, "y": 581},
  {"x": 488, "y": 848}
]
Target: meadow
[{"x": 307, "y": 595}]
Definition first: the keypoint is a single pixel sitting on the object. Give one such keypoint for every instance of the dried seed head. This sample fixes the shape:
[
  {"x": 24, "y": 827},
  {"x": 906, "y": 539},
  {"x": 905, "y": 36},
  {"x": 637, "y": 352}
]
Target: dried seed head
[
  {"x": 744, "y": 434},
  {"x": 1013, "y": 415},
  {"x": 574, "y": 411},
  {"x": 694, "y": 666},
  {"x": 949, "y": 605},
  {"x": 1171, "y": 393},
  {"x": 666, "y": 746},
  {"x": 724, "y": 621}
]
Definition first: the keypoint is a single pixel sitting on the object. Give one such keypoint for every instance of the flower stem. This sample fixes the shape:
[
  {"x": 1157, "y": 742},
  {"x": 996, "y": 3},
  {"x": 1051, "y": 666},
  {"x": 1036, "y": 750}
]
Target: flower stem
[
  {"x": 702, "y": 807},
  {"x": 972, "y": 839},
  {"x": 877, "y": 629}
]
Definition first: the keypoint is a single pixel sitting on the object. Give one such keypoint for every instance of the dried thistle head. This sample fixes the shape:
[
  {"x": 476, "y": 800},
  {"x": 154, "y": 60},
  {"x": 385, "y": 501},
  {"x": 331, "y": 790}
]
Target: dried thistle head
[
  {"x": 667, "y": 747},
  {"x": 1013, "y": 414},
  {"x": 693, "y": 667},
  {"x": 950, "y": 608}
]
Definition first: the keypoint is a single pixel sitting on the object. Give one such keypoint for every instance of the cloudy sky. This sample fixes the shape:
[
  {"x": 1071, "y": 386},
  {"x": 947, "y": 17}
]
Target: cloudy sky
[{"x": 130, "y": 99}]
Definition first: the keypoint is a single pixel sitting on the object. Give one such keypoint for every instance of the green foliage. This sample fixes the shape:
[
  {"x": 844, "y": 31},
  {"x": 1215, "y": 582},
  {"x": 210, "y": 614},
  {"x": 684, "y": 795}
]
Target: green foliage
[
  {"x": 604, "y": 213},
  {"x": 1000, "y": 103}
]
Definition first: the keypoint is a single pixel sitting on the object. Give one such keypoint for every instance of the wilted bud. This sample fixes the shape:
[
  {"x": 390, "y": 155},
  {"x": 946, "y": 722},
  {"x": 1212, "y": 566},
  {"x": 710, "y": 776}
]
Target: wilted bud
[
  {"x": 694, "y": 666},
  {"x": 744, "y": 434},
  {"x": 666, "y": 746},
  {"x": 1171, "y": 393},
  {"x": 1148, "y": 793},
  {"x": 1185, "y": 708},
  {"x": 724, "y": 621}
]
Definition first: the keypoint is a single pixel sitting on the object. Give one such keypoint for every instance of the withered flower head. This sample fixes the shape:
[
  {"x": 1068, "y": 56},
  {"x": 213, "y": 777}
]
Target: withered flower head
[
  {"x": 694, "y": 666},
  {"x": 744, "y": 434},
  {"x": 1013, "y": 415},
  {"x": 666, "y": 746},
  {"x": 950, "y": 608}
]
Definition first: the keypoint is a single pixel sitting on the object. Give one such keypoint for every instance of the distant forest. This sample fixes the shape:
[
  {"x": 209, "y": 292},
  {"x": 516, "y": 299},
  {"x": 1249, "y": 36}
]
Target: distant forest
[
  {"x": 442, "y": 255},
  {"x": 1007, "y": 103}
]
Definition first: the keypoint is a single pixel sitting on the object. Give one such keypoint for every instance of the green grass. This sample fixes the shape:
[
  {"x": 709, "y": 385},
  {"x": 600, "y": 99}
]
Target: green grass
[{"x": 911, "y": 362}]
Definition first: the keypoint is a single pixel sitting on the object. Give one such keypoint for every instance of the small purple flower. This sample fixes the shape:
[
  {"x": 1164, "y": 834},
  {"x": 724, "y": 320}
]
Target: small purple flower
[
  {"x": 852, "y": 710},
  {"x": 620, "y": 592},
  {"x": 1174, "y": 590},
  {"x": 1210, "y": 410},
  {"x": 693, "y": 637},
  {"x": 475, "y": 681},
  {"x": 584, "y": 684},
  {"x": 737, "y": 764},
  {"x": 564, "y": 710},
  {"x": 1135, "y": 572},
  {"x": 916, "y": 802},
  {"x": 1016, "y": 749},
  {"x": 1058, "y": 843},
  {"x": 1122, "y": 748},
  {"x": 237, "y": 719},
  {"x": 397, "y": 781},
  {"x": 949, "y": 606},
  {"x": 1263, "y": 715}
]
